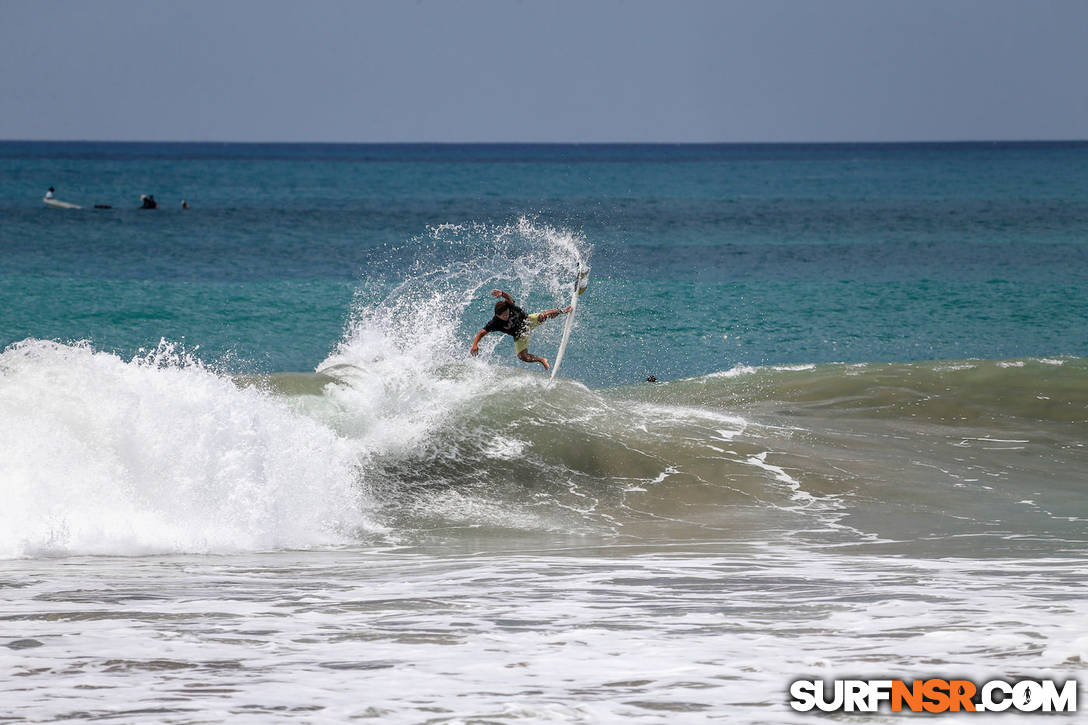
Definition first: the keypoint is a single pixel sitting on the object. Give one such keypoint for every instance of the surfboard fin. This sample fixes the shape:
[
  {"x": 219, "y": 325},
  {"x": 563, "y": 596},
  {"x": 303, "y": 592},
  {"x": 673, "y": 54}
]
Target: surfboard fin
[{"x": 583, "y": 279}]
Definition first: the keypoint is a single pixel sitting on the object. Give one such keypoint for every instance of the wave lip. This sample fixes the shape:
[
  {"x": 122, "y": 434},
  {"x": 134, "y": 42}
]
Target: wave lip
[{"x": 160, "y": 455}]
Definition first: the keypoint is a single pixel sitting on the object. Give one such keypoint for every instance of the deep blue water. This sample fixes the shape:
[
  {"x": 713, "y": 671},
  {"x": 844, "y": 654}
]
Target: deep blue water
[{"x": 704, "y": 256}]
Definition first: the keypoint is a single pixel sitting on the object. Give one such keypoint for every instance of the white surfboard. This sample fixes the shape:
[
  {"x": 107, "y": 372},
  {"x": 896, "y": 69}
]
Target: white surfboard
[
  {"x": 58, "y": 204},
  {"x": 581, "y": 282}
]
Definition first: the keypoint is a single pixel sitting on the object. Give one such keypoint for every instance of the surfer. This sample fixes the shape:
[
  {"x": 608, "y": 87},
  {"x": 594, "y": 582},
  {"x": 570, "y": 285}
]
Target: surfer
[
  {"x": 147, "y": 201},
  {"x": 512, "y": 320},
  {"x": 49, "y": 194}
]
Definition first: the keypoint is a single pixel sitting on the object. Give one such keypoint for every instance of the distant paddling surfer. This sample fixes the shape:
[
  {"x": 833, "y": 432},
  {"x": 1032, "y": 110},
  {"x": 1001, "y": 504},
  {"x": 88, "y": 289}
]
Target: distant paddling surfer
[{"x": 512, "y": 320}]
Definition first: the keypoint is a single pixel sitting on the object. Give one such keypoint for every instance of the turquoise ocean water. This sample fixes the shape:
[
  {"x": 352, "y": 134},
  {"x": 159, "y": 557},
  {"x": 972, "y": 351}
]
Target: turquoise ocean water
[
  {"x": 704, "y": 257},
  {"x": 250, "y": 472}
]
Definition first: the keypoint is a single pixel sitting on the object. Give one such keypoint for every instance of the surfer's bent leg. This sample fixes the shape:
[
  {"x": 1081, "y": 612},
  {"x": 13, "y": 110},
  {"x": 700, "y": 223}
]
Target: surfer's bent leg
[
  {"x": 521, "y": 346},
  {"x": 526, "y": 356}
]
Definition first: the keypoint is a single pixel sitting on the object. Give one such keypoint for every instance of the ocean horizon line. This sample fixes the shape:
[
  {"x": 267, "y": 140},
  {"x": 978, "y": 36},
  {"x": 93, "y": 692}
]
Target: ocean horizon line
[{"x": 946, "y": 142}]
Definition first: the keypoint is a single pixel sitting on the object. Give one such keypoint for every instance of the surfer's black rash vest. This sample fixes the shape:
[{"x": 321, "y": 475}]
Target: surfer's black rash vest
[{"x": 514, "y": 327}]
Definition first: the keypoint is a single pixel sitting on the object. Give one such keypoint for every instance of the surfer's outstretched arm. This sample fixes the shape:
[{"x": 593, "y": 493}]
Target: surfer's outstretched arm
[
  {"x": 476, "y": 343},
  {"x": 504, "y": 295}
]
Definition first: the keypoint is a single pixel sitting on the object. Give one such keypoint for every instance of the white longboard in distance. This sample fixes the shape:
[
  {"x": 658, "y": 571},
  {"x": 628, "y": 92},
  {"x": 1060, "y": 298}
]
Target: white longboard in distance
[
  {"x": 581, "y": 282},
  {"x": 58, "y": 204}
]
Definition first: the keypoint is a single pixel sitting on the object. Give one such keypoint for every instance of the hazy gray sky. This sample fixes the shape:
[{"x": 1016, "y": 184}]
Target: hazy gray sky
[{"x": 544, "y": 70}]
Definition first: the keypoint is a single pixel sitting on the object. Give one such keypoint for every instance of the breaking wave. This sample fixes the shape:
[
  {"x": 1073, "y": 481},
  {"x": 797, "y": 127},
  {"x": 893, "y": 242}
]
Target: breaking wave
[{"x": 399, "y": 433}]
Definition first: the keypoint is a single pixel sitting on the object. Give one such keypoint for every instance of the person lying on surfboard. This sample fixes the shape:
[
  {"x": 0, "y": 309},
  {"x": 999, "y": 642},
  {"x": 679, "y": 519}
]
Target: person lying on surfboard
[{"x": 512, "y": 320}]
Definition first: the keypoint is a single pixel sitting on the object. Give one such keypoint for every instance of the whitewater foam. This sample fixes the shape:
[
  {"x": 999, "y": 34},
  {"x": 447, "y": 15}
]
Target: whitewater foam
[{"x": 160, "y": 454}]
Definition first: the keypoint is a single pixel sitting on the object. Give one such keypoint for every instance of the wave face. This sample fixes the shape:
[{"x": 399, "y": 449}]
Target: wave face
[
  {"x": 937, "y": 457},
  {"x": 159, "y": 454}
]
